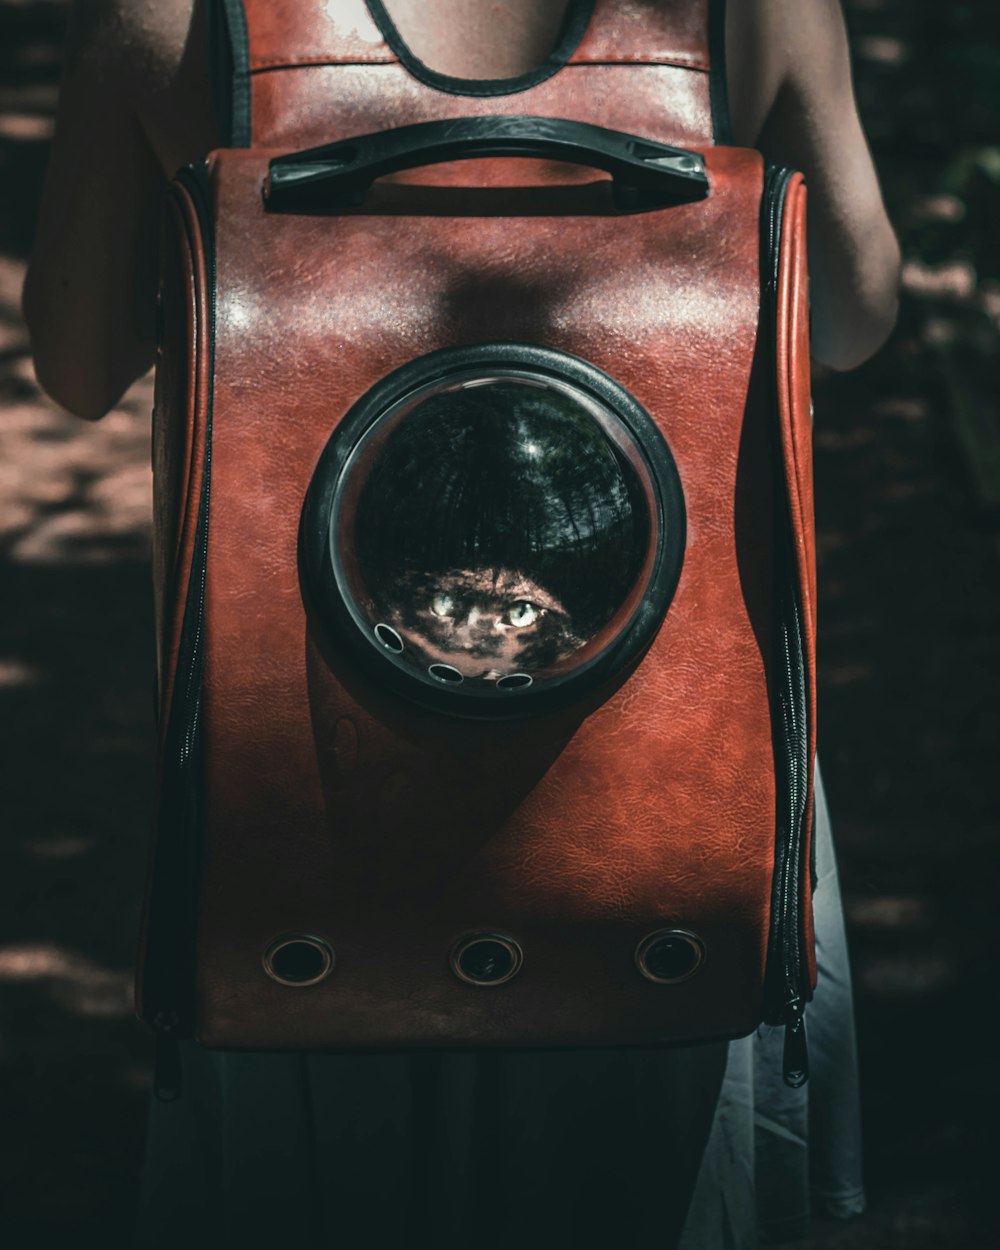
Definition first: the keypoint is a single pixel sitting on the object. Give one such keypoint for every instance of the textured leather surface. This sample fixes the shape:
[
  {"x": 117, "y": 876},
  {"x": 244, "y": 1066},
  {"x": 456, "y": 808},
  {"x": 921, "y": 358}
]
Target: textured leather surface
[
  {"x": 330, "y": 809},
  {"x": 322, "y": 104},
  {"x": 322, "y": 72},
  {"x": 669, "y": 32},
  {"x": 795, "y": 414},
  {"x": 289, "y": 32}
]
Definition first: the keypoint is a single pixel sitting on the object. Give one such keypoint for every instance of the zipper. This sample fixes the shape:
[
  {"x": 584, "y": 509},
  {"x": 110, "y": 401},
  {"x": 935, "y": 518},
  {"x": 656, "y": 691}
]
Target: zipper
[
  {"x": 169, "y": 972},
  {"x": 786, "y": 981}
]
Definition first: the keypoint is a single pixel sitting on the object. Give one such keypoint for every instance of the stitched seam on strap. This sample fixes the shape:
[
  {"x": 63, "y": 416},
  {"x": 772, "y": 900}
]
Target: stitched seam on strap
[
  {"x": 680, "y": 60},
  {"x": 303, "y": 62},
  {"x": 319, "y": 58}
]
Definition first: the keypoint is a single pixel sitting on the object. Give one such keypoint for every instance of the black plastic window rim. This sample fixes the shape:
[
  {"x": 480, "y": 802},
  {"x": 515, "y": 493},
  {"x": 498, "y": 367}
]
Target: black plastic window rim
[{"x": 317, "y": 581}]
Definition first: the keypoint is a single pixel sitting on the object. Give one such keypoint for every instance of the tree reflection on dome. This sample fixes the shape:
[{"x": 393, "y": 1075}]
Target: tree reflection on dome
[{"x": 498, "y": 529}]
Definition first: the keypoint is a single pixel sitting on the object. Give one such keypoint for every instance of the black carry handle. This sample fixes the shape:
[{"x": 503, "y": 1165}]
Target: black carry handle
[{"x": 645, "y": 174}]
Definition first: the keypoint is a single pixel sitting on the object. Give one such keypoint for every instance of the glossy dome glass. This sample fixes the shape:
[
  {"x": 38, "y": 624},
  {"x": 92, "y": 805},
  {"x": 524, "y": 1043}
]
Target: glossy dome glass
[{"x": 492, "y": 533}]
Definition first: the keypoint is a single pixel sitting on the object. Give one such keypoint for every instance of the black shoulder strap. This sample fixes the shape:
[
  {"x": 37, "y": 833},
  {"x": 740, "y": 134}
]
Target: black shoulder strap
[
  {"x": 722, "y": 127},
  {"x": 229, "y": 67}
]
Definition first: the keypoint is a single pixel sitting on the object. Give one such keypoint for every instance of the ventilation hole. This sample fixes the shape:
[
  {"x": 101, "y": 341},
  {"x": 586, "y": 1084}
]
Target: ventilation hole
[
  {"x": 486, "y": 959},
  {"x": 445, "y": 672},
  {"x": 514, "y": 681},
  {"x": 298, "y": 960},
  {"x": 388, "y": 637},
  {"x": 670, "y": 955}
]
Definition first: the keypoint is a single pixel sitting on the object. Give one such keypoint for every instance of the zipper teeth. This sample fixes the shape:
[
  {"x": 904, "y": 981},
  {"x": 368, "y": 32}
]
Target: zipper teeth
[
  {"x": 798, "y": 759},
  {"x": 788, "y": 931},
  {"x": 193, "y": 690},
  {"x": 789, "y": 943},
  {"x": 797, "y": 762},
  {"x": 193, "y": 687},
  {"x": 167, "y": 1015}
]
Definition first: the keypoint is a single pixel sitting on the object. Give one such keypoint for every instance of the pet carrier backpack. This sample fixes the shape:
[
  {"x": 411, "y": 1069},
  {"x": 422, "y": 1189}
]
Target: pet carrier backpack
[{"x": 483, "y": 551}]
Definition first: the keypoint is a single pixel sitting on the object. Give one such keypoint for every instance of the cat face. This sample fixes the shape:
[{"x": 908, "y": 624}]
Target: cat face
[{"x": 487, "y": 623}]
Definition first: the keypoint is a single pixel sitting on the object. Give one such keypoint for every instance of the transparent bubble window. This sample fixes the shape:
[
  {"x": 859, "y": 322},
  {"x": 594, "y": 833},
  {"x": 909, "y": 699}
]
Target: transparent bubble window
[{"x": 495, "y": 532}]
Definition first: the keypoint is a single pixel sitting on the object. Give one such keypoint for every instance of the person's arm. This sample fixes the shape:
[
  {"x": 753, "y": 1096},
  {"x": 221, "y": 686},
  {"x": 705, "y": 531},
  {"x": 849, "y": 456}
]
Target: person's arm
[
  {"x": 792, "y": 97},
  {"x": 133, "y": 106},
  {"x": 90, "y": 292}
]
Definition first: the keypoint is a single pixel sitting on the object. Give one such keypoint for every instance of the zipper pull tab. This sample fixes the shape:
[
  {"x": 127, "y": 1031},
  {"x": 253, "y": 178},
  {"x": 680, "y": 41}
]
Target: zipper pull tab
[
  {"x": 167, "y": 1064},
  {"x": 795, "y": 1063}
]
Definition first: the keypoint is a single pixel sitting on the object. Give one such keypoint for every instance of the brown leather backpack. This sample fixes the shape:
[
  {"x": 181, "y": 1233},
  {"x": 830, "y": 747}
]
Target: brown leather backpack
[{"x": 414, "y": 328}]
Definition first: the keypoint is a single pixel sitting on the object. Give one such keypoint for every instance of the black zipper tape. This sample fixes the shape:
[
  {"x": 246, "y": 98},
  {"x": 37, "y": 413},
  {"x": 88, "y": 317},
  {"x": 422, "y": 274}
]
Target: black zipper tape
[
  {"x": 168, "y": 997},
  {"x": 786, "y": 979}
]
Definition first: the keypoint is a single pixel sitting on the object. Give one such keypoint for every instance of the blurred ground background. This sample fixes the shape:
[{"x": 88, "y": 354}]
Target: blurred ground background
[{"x": 908, "y": 498}]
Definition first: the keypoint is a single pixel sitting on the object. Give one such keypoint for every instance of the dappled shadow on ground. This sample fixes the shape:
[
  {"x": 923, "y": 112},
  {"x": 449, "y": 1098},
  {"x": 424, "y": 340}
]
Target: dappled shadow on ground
[
  {"x": 75, "y": 741},
  {"x": 908, "y": 499}
]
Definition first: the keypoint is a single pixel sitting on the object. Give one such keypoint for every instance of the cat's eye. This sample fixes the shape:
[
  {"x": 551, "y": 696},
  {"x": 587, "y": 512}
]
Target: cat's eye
[
  {"x": 522, "y": 613},
  {"x": 442, "y": 605}
]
